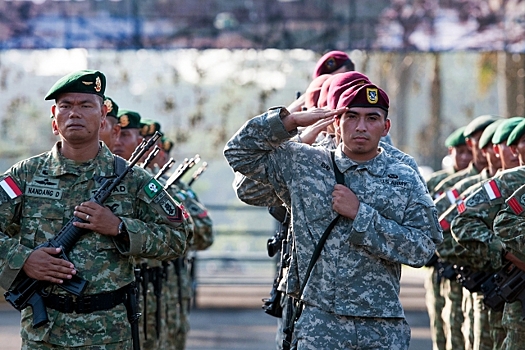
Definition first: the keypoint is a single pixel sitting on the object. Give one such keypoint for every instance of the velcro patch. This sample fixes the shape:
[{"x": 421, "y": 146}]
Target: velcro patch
[
  {"x": 515, "y": 205},
  {"x": 153, "y": 188},
  {"x": 43, "y": 192},
  {"x": 10, "y": 187}
]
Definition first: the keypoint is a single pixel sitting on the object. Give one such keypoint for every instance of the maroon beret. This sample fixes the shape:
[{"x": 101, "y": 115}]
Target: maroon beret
[
  {"x": 311, "y": 96},
  {"x": 342, "y": 82},
  {"x": 330, "y": 62},
  {"x": 322, "y": 102},
  {"x": 368, "y": 95}
]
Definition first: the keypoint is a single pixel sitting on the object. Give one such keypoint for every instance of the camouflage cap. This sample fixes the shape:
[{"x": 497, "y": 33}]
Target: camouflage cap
[
  {"x": 148, "y": 127},
  {"x": 517, "y": 133},
  {"x": 167, "y": 144},
  {"x": 488, "y": 133},
  {"x": 112, "y": 107},
  {"x": 367, "y": 95},
  {"x": 128, "y": 119},
  {"x": 330, "y": 62},
  {"x": 456, "y": 138},
  {"x": 504, "y": 129},
  {"x": 478, "y": 124},
  {"x": 83, "y": 81}
]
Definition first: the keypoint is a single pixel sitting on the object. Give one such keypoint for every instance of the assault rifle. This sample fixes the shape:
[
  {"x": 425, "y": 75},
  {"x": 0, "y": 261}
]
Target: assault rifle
[
  {"x": 29, "y": 291},
  {"x": 181, "y": 170},
  {"x": 472, "y": 279},
  {"x": 272, "y": 305},
  {"x": 165, "y": 168},
  {"x": 197, "y": 173}
]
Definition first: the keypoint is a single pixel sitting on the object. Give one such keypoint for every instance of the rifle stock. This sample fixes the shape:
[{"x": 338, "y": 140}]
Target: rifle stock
[{"x": 28, "y": 292}]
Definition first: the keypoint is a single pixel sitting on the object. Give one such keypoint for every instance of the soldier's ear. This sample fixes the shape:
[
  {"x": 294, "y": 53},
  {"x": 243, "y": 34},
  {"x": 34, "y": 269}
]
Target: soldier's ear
[{"x": 54, "y": 127}]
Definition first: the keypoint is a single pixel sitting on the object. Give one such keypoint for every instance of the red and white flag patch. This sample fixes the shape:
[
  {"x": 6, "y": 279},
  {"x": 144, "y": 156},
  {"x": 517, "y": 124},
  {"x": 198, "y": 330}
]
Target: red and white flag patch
[
  {"x": 10, "y": 187},
  {"x": 445, "y": 225},
  {"x": 492, "y": 190},
  {"x": 461, "y": 206},
  {"x": 452, "y": 196}
]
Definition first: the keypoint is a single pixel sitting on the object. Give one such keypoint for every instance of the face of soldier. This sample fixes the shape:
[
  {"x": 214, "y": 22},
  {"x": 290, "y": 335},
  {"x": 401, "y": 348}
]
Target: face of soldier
[
  {"x": 461, "y": 156},
  {"x": 477, "y": 156},
  {"x": 110, "y": 133},
  {"x": 78, "y": 117},
  {"x": 126, "y": 143},
  {"x": 361, "y": 128},
  {"x": 493, "y": 160},
  {"x": 519, "y": 149},
  {"x": 508, "y": 159}
]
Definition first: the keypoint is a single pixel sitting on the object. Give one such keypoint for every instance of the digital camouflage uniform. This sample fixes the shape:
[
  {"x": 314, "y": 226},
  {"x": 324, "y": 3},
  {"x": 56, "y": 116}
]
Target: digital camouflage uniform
[
  {"x": 509, "y": 227},
  {"x": 476, "y": 317},
  {"x": 52, "y": 186},
  {"x": 472, "y": 230},
  {"x": 261, "y": 194},
  {"x": 358, "y": 274}
]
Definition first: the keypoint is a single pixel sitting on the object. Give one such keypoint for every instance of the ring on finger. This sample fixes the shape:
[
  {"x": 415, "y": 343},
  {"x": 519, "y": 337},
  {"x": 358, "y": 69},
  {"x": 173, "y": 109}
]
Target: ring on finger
[{"x": 87, "y": 217}]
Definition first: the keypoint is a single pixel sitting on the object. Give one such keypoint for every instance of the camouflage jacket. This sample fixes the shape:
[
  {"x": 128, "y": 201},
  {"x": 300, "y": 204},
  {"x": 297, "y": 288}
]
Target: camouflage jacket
[
  {"x": 453, "y": 179},
  {"x": 51, "y": 186},
  {"x": 472, "y": 228},
  {"x": 359, "y": 270},
  {"x": 433, "y": 179}
]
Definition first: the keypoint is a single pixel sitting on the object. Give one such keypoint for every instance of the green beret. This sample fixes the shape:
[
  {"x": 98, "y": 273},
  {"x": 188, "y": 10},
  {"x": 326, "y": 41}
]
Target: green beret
[
  {"x": 456, "y": 138},
  {"x": 478, "y": 124},
  {"x": 148, "y": 127},
  {"x": 517, "y": 133},
  {"x": 486, "y": 136},
  {"x": 128, "y": 119},
  {"x": 167, "y": 144},
  {"x": 83, "y": 81},
  {"x": 504, "y": 129},
  {"x": 112, "y": 107}
]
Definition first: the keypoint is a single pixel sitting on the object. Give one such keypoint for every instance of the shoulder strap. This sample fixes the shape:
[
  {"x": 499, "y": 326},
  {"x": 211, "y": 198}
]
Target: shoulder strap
[
  {"x": 319, "y": 247},
  {"x": 119, "y": 165}
]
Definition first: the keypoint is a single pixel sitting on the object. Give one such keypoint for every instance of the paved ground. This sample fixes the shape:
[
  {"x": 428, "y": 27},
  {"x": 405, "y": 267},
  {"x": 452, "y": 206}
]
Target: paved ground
[{"x": 231, "y": 318}]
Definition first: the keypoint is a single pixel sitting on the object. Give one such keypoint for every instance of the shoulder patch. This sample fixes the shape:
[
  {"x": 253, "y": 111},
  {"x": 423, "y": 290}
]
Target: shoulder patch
[
  {"x": 445, "y": 225},
  {"x": 515, "y": 205},
  {"x": 153, "y": 188},
  {"x": 492, "y": 190},
  {"x": 461, "y": 206},
  {"x": 452, "y": 195},
  {"x": 10, "y": 187}
]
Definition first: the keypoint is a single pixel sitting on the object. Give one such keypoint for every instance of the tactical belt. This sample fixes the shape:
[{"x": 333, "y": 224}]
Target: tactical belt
[{"x": 87, "y": 303}]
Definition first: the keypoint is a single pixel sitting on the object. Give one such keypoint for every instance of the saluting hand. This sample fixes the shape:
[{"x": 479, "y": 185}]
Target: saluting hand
[
  {"x": 306, "y": 118},
  {"x": 344, "y": 201},
  {"x": 99, "y": 219},
  {"x": 42, "y": 265}
]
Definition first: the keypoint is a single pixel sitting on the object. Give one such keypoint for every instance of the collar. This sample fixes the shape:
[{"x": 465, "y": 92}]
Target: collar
[
  {"x": 375, "y": 166},
  {"x": 56, "y": 164}
]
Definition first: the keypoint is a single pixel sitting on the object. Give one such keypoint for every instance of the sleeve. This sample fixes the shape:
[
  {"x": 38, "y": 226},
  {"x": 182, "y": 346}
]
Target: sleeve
[
  {"x": 472, "y": 229},
  {"x": 203, "y": 231},
  {"x": 255, "y": 193},
  {"x": 509, "y": 224},
  {"x": 160, "y": 229},
  {"x": 258, "y": 149},
  {"x": 411, "y": 242},
  {"x": 12, "y": 254}
]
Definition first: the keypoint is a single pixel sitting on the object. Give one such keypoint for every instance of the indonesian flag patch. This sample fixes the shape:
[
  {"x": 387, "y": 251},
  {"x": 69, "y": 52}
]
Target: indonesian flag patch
[
  {"x": 10, "y": 187},
  {"x": 492, "y": 190},
  {"x": 452, "y": 196},
  {"x": 445, "y": 225}
]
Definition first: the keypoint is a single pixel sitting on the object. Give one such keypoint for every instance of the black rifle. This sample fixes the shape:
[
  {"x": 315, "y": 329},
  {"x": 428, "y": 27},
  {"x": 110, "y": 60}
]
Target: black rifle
[
  {"x": 165, "y": 168},
  {"x": 158, "y": 276},
  {"x": 491, "y": 288},
  {"x": 144, "y": 274},
  {"x": 28, "y": 292},
  {"x": 132, "y": 308},
  {"x": 473, "y": 279},
  {"x": 272, "y": 305},
  {"x": 197, "y": 173},
  {"x": 181, "y": 170}
]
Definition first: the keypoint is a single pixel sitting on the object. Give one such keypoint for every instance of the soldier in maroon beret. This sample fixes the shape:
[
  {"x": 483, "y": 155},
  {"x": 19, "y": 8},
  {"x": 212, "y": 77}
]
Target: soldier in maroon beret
[{"x": 332, "y": 63}]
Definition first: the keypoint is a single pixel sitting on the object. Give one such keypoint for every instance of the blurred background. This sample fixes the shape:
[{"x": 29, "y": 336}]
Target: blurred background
[{"x": 204, "y": 67}]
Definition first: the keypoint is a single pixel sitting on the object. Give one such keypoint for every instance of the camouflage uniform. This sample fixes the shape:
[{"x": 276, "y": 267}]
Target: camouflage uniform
[
  {"x": 508, "y": 226},
  {"x": 52, "y": 186},
  {"x": 358, "y": 275},
  {"x": 472, "y": 229},
  {"x": 435, "y": 178},
  {"x": 451, "y": 180}
]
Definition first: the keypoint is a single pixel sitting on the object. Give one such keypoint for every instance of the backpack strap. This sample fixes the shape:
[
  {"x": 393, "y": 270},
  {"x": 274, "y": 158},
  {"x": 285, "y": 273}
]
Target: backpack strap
[{"x": 119, "y": 164}]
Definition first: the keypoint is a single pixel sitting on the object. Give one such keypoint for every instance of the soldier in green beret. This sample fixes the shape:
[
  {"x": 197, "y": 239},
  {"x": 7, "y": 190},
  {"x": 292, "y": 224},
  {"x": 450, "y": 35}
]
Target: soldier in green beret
[
  {"x": 38, "y": 195},
  {"x": 110, "y": 131},
  {"x": 129, "y": 137}
]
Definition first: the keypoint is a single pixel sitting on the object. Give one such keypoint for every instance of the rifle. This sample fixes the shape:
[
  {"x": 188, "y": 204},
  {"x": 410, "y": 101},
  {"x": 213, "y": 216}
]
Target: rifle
[
  {"x": 157, "y": 290},
  {"x": 132, "y": 309},
  {"x": 181, "y": 170},
  {"x": 472, "y": 279},
  {"x": 165, "y": 168},
  {"x": 28, "y": 292},
  {"x": 491, "y": 288},
  {"x": 197, "y": 173},
  {"x": 272, "y": 305},
  {"x": 150, "y": 157},
  {"x": 144, "y": 273}
]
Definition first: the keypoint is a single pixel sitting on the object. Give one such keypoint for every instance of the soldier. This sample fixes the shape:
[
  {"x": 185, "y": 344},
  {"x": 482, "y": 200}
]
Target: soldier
[
  {"x": 460, "y": 155},
  {"x": 111, "y": 130},
  {"x": 129, "y": 137},
  {"x": 47, "y": 190},
  {"x": 477, "y": 246},
  {"x": 353, "y": 289},
  {"x": 333, "y": 62},
  {"x": 508, "y": 227}
]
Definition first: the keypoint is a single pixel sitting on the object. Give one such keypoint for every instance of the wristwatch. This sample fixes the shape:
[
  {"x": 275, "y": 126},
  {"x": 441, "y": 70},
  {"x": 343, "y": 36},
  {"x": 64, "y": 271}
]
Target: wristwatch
[{"x": 122, "y": 230}]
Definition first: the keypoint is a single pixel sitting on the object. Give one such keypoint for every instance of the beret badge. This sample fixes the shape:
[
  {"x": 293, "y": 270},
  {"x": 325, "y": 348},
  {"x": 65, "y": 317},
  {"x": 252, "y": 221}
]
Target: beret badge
[
  {"x": 98, "y": 84},
  {"x": 109, "y": 105},
  {"x": 124, "y": 120},
  {"x": 330, "y": 63},
  {"x": 372, "y": 95}
]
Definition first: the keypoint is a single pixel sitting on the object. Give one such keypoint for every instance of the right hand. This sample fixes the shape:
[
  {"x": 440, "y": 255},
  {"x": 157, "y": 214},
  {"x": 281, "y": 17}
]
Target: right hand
[
  {"x": 42, "y": 265},
  {"x": 306, "y": 118}
]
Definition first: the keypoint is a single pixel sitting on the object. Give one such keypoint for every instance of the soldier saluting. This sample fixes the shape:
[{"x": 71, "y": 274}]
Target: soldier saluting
[{"x": 135, "y": 226}]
